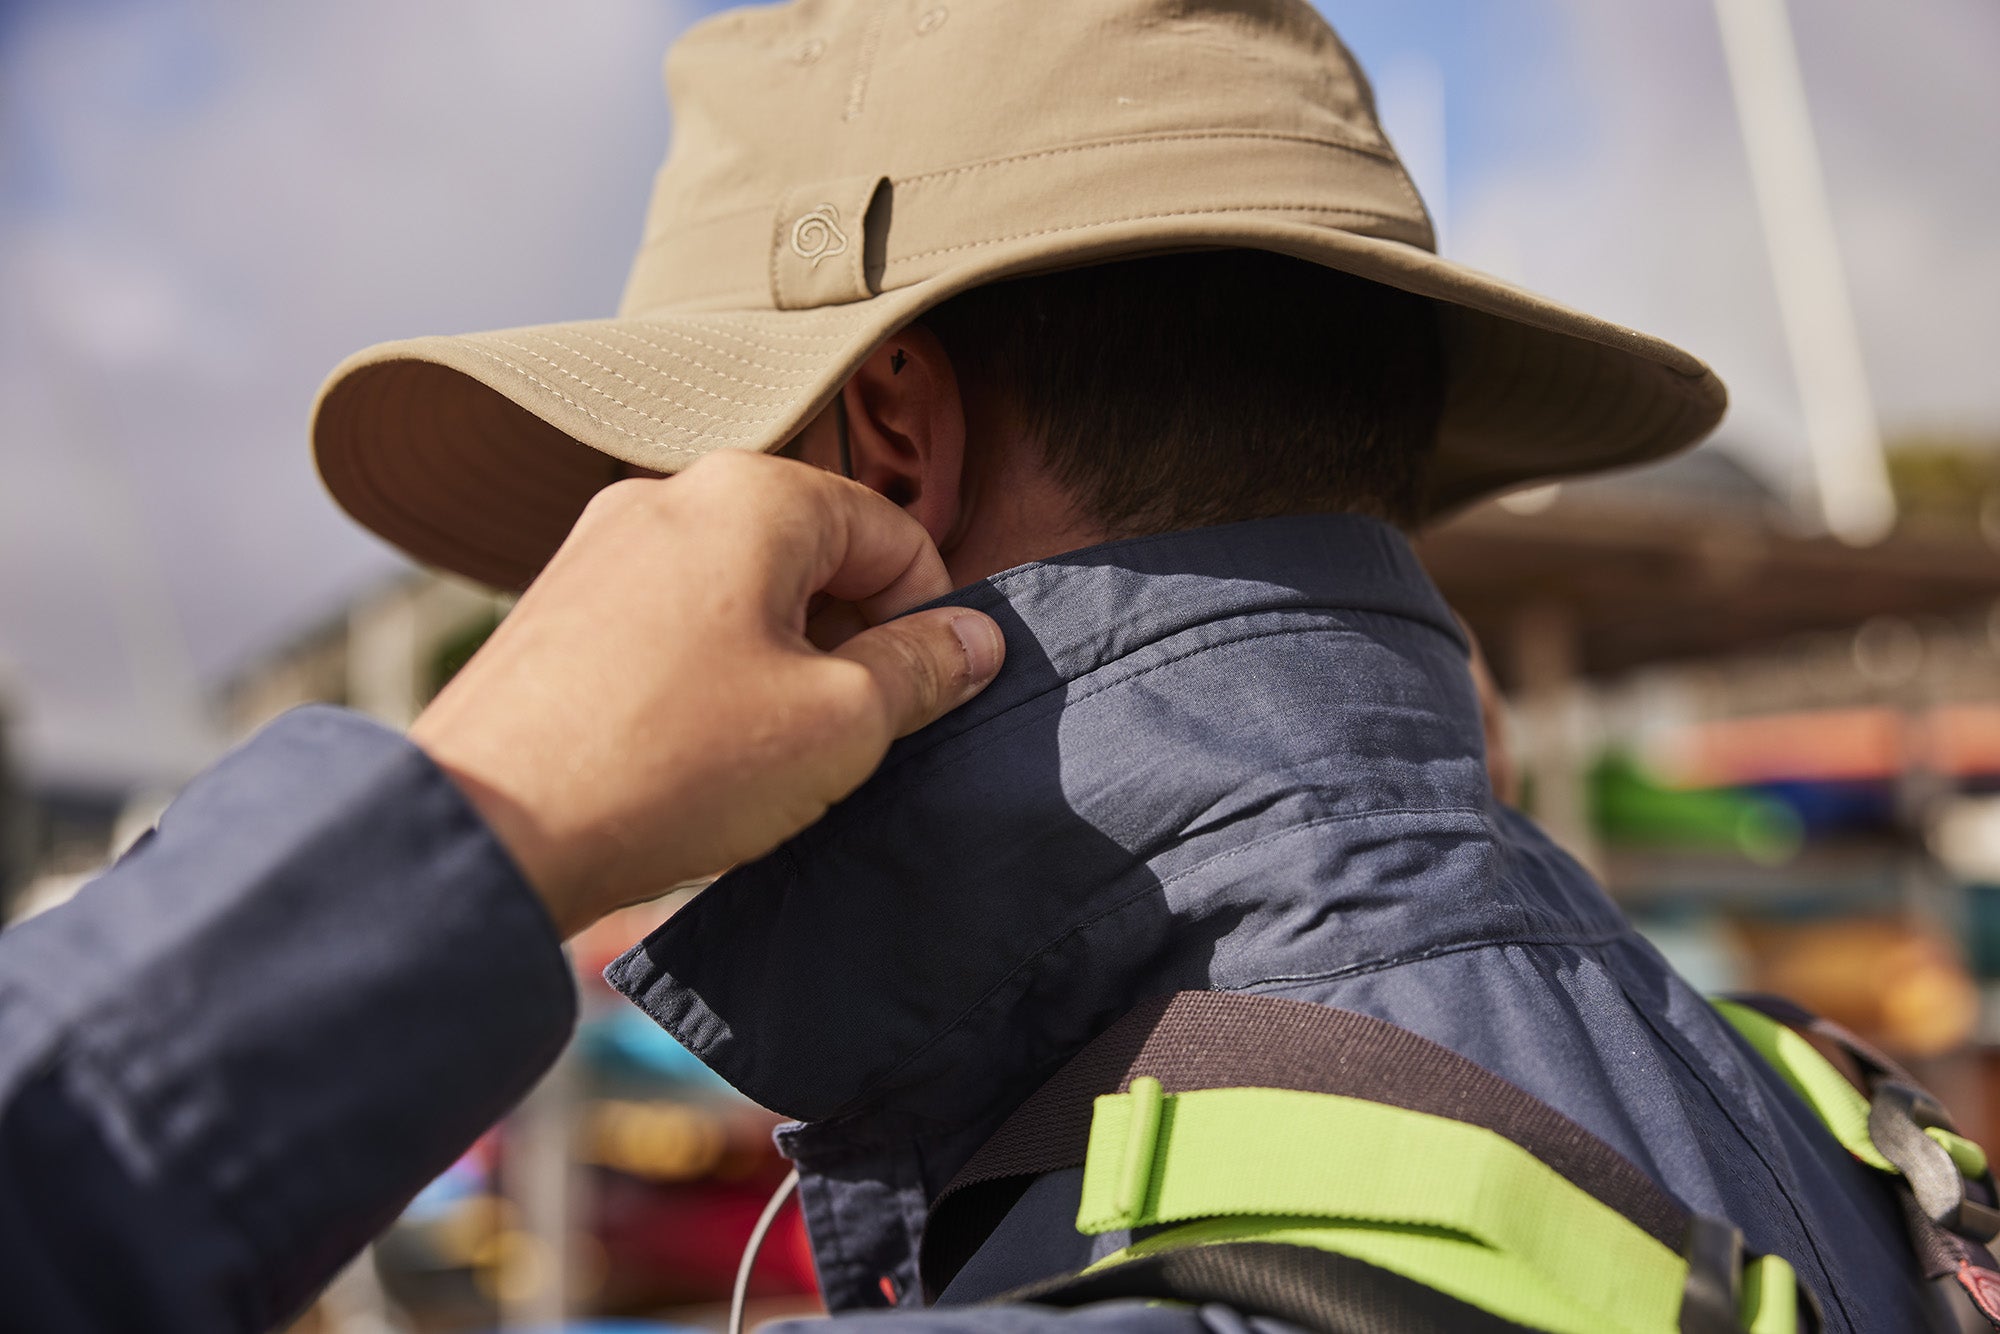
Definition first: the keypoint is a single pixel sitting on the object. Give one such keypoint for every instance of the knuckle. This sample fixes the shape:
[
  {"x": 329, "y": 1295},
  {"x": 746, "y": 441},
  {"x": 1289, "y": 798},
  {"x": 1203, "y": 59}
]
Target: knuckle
[
  {"x": 725, "y": 467},
  {"x": 729, "y": 477},
  {"x": 618, "y": 498}
]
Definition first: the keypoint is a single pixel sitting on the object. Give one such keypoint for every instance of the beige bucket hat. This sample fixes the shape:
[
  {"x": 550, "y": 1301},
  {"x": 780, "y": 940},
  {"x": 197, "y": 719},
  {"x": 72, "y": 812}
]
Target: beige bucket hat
[{"x": 841, "y": 166}]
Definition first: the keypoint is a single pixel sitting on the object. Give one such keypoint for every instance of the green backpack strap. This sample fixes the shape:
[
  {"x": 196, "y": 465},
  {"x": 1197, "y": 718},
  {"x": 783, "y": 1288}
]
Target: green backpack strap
[
  {"x": 1328, "y": 1168},
  {"x": 1846, "y": 1113},
  {"x": 1892, "y": 1124},
  {"x": 1452, "y": 1206}
]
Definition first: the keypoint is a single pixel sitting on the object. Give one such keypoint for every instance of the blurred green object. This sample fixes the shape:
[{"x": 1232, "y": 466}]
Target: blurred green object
[
  {"x": 1947, "y": 481},
  {"x": 1630, "y": 808},
  {"x": 457, "y": 649}
]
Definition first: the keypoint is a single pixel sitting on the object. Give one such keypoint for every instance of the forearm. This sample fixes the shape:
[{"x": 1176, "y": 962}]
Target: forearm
[{"x": 268, "y": 1027}]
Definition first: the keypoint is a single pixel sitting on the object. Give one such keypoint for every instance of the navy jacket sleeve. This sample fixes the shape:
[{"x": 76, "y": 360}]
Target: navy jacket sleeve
[{"x": 233, "y": 1058}]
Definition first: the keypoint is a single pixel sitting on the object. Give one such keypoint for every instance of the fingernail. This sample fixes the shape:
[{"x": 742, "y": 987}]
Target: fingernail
[{"x": 983, "y": 644}]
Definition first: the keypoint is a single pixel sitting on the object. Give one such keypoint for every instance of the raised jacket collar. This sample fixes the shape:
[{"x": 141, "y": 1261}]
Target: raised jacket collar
[
  {"x": 1242, "y": 756},
  {"x": 834, "y": 973}
]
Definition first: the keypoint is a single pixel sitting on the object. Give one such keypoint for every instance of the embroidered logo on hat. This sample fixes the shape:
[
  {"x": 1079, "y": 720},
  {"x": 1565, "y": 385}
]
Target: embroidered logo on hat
[{"x": 817, "y": 235}]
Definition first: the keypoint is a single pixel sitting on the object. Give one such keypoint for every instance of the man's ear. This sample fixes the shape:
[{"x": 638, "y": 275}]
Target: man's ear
[{"x": 906, "y": 429}]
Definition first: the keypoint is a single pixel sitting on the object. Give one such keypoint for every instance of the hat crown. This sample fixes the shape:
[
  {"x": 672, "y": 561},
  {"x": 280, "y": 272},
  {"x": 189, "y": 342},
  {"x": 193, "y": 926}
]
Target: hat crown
[{"x": 826, "y": 150}]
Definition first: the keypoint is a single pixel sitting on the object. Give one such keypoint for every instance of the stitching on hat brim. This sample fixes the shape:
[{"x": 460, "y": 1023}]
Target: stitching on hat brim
[
  {"x": 722, "y": 419},
  {"x": 662, "y": 327},
  {"x": 664, "y": 350},
  {"x": 575, "y": 406},
  {"x": 660, "y": 371}
]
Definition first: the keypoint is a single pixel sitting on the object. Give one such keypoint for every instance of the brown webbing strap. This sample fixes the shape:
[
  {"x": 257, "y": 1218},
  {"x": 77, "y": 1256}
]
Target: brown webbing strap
[
  {"x": 1963, "y": 1265},
  {"x": 1202, "y": 1039},
  {"x": 1316, "y": 1290}
]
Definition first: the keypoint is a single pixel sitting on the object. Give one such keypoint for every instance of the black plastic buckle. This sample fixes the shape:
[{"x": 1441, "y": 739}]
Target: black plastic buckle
[
  {"x": 1709, "y": 1300},
  {"x": 1898, "y": 1115},
  {"x": 1712, "y": 1297}
]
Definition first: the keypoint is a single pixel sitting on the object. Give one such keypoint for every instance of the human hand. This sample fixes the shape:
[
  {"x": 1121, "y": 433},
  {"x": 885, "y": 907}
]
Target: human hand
[{"x": 652, "y": 710}]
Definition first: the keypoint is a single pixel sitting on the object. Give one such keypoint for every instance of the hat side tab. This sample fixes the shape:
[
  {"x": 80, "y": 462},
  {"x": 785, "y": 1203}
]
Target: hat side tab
[{"x": 820, "y": 243}]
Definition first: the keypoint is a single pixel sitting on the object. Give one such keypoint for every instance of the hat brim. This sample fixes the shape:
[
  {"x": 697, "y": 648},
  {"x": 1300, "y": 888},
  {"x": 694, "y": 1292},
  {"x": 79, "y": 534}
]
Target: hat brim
[{"x": 477, "y": 453}]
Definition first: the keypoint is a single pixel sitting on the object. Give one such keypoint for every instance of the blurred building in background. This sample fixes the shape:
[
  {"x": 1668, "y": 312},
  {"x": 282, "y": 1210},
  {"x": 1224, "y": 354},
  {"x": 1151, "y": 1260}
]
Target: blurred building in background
[{"x": 384, "y": 654}]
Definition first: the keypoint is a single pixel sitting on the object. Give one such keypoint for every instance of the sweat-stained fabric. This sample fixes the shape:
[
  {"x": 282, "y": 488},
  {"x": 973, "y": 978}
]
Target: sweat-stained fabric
[{"x": 1245, "y": 757}]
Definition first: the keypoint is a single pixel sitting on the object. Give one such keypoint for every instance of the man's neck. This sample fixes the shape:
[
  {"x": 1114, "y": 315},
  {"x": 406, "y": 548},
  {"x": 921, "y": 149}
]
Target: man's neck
[{"x": 1013, "y": 513}]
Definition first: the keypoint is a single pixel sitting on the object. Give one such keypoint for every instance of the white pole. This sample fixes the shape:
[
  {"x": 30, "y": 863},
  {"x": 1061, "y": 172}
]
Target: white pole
[
  {"x": 172, "y": 703},
  {"x": 541, "y": 1180},
  {"x": 1841, "y": 429}
]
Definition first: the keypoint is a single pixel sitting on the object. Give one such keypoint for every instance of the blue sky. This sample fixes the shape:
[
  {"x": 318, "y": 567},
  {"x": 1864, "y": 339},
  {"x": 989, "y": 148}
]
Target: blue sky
[
  {"x": 1481, "y": 51},
  {"x": 204, "y": 204}
]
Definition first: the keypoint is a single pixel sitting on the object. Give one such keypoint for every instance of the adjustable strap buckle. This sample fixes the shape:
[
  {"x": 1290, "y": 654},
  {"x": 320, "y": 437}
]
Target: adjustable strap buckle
[
  {"x": 1729, "y": 1292},
  {"x": 1898, "y": 1118},
  {"x": 1711, "y": 1301}
]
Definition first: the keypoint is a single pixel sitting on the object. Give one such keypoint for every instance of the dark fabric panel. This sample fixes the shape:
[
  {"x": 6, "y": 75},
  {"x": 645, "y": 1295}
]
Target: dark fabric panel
[{"x": 1332, "y": 1294}]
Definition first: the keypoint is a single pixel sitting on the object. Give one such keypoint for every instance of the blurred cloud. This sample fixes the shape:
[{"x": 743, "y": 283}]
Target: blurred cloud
[{"x": 205, "y": 204}]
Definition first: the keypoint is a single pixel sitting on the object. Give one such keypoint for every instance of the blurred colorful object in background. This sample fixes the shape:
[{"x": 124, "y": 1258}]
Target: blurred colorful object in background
[
  {"x": 668, "y": 1170},
  {"x": 1901, "y": 984},
  {"x": 1630, "y": 807},
  {"x": 1835, "y": 745}
]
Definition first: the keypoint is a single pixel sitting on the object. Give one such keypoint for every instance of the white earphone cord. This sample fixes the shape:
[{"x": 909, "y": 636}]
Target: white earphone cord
[{"x": 741, "y": 1293}]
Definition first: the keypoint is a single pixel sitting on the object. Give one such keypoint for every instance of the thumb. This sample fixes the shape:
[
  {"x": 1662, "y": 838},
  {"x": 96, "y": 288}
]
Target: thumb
[{"x": 927, "y": 664}]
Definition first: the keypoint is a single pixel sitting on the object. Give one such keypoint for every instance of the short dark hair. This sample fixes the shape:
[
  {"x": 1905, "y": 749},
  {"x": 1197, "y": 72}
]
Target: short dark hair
[{"x": 1185, "y": 390}]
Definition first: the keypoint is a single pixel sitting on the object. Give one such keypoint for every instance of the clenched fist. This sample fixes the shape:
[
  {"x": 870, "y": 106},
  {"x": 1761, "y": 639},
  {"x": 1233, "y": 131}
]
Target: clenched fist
[{"x": 653, "y": 710}]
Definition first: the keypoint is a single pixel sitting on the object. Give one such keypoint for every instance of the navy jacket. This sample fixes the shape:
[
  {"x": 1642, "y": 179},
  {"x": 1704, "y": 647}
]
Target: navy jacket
[
  {"x": 229, "y": 1061},
  {"x": 1241, "y": 758}
]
